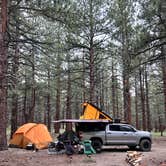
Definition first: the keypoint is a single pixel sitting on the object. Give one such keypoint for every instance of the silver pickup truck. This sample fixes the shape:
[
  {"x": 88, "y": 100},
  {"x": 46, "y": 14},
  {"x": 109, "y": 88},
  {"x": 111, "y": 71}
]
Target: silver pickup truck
[{"x": 116, "y": 134}]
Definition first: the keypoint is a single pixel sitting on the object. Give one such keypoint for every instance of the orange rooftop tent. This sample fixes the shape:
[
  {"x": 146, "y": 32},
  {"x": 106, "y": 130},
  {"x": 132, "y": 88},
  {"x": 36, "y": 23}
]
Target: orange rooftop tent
[
  {"x": 91, "y": 112},
  {"x": 36, "y": 134}
]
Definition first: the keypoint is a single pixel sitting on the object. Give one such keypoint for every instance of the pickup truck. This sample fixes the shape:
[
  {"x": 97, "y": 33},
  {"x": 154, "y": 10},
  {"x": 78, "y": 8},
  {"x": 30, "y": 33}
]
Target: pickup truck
[{"x": 114, "y": 134}]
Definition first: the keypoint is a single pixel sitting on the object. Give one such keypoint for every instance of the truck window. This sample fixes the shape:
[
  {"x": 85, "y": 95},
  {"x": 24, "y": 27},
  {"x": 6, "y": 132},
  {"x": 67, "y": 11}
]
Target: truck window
[
  {"x": 114, "y": 128},
  {"x": 126, "y": 128}
]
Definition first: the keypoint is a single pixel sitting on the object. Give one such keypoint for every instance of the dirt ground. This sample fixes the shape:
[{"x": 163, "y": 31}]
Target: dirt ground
[{"x": 110, "y": 156}]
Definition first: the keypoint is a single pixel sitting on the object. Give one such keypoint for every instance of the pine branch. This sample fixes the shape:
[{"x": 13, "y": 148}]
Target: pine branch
[{"x": 149, "y": 48}]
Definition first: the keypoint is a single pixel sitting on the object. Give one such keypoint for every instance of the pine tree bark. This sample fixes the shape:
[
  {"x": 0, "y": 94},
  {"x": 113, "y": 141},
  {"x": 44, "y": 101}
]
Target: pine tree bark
[
  {"x": 147, "y": 102},
  {"x": 33, "y": 95},
  {"x": 91, "y": 54},
  {"x": 113, "y": 93},
  {"x": 32, "y": 101},
  {"x": 48, "y": 112},
  {"x": 3, "y": 73},
  {"x": 162, "y": 12},
  {"x": 164, "y": 79},
  {"x": 142, "y": 101},
  {"x": 126, "y": 65},
  {"x": 136, "y": 104},
  {"x": 45, "y": 111},
  {"x": 83, "y": 78},
  {"x": 160, "y": 129},
  {"x": 48, "y": 103},
  {"x": 68, "y": 98},
  {"x": 14, "y": 110},
  {"x": 25, "y": 115},
  {"x": 58, "y": 88},
  {"x": 126, "y": 97},
  {"x": 58, "y": 106},
  {"x": 101, "y": 80},
  {"x": 14, "y": 113},
  {"x": 58, "y": 96},
  {"x": 117, "y": 99},
  {"x": 29, "y": 106}
]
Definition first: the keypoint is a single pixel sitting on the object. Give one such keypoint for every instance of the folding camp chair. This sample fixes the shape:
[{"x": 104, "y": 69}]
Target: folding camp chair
[{"x": 88, "y": 149}]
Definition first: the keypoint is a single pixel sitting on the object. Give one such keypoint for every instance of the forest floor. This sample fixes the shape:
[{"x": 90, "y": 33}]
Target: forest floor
[{"x": 112, "y": 156}]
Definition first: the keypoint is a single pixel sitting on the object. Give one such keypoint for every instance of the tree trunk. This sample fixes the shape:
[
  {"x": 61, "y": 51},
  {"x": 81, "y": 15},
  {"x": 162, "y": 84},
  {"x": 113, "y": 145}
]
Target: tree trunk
[
  {"x": 48, "y": 112},
  {"x": 45, "y": 111},
  {"x": 124, "y": 35},
  {"x": 156, "y": 125},
  {"x": 68, "y": 98},
  {"x": 101, "y": 81},
  {"x": 126, "y": 97},
  {"x": 14, "y": 110},
  {"x": 117, "y": 99},
  {"x": 58, "y": 96},
  {"x": 48, "y": 103},
  {"x": 58, "y": 104},
  {"x": 83, "y": 78},
  {"x": 162, "y": 12},
  {"x": 142, "y": 101},
  {"x": 113, "y": 93},
  {"x": 29, "y": 106},
  {"x": 136, "y": 104},
  {"x": 25, "y": 115},
  {"x": 3, "y": 73},
  {"x": 126, "y": 70},
  {"x": 147, "y": 102},
  {"x": 91, "y": 54},
  {"x": 33, "y": 92},
  {"x": 14, "y": 113},
  {"x": 164, "y": 80},
  {"x": 159, "y": 120}
]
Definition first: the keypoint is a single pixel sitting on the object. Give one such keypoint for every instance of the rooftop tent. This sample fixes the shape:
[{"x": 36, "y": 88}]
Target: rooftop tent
[
  {"x": 31, "y": 133},
  {"x": 90, "y": 111}
]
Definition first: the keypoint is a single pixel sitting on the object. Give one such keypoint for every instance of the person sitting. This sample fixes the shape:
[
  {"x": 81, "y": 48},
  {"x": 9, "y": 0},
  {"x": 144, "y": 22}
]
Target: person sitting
[{"x": 68, "y": 136}]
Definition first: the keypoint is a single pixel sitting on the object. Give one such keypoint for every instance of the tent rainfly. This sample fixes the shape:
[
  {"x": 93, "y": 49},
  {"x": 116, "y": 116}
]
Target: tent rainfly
[{"x": 33, "y": 133}]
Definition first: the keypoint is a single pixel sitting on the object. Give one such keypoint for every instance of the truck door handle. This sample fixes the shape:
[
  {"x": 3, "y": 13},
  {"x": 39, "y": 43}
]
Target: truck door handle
[{"x": 124, "y": 133}]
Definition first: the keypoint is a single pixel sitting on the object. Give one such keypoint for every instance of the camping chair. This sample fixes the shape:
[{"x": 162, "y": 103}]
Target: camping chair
[{"x": 88, "y": 149}]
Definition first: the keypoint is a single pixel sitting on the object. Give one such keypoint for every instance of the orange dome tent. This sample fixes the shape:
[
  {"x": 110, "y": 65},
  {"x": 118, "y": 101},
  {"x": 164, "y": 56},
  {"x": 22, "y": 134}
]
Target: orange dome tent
[{"x": 36, "y": 134}]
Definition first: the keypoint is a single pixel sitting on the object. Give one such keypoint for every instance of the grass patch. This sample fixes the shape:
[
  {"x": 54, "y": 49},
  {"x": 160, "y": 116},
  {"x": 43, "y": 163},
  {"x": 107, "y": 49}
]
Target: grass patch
[{"x": 158, "y": 134}]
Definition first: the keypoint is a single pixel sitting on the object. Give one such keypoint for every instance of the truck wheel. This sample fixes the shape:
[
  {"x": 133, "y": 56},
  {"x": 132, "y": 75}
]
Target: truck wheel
[
  {"x": 145, "y": 145},
  {"x": 97, "y": 145}
]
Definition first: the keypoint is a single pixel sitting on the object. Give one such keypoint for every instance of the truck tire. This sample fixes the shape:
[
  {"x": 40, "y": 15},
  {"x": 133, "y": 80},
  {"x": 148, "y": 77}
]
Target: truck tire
[
  {"x": 145, "y": 145},
  {"x": 97, "y": 145}
]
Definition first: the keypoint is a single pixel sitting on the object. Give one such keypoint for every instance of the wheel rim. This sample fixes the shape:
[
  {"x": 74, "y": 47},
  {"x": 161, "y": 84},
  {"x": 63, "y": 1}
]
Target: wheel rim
[{"x": 146, "y": 145}]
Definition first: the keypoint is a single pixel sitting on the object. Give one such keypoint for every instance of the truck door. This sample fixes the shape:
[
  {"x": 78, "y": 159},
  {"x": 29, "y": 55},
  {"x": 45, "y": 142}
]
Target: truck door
[
  {"x": 112, "y": 134},
  {"x": 129, "y": 134},
  {"x": 120, "y": 134}
]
